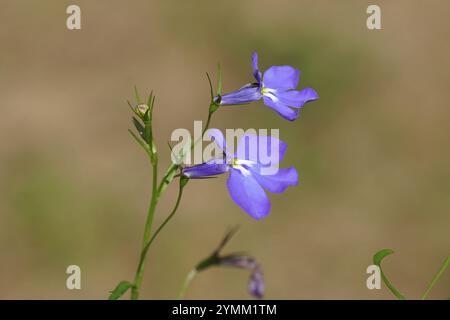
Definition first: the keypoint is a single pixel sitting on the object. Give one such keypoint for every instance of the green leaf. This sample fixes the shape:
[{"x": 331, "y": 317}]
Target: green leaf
[
  {"x": 211, "y": 92},
  {"x": 147, "y": 133},
  {"x": 139, "y": 127},
  {"x": 120, "y": 290},
  {"x": 139, "y": 141},
  {"x": 150, "y": 100},
  {"x": 380, "y": 255},
  {"x": 377, "y": 258}
]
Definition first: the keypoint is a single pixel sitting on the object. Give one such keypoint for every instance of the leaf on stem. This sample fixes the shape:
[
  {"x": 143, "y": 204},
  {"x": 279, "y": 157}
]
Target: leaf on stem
[
  {"x": 210, "y": 87},
  {"x": 120, "y": 290},
  {"x": 377, "y": 258},
  {"x": 139, "y": 127},
  {"x": 380, "y": 255}
]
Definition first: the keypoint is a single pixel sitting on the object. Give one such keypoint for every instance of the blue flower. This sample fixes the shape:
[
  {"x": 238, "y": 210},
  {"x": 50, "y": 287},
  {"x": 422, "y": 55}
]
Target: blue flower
[
  {"x": 251, "y": 172},
  {"x": 277, "y": 88}
]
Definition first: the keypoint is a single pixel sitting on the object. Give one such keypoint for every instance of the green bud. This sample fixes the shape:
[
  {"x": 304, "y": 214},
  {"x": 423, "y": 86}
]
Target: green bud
[{"x": 142, "y": 109}]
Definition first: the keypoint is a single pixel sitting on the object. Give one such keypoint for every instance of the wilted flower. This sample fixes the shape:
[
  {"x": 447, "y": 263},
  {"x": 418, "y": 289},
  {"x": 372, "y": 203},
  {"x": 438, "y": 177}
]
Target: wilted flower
[
  {"x": 237, "y": 260},
  {"x": 277, "y": 87},
  {"x": 250, "y": 174},
  {"x": 256, "y": 281}
]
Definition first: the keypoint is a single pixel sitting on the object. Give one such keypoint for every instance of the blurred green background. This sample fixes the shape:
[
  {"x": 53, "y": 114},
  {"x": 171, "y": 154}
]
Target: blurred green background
[{"x": 372, "y": 153}]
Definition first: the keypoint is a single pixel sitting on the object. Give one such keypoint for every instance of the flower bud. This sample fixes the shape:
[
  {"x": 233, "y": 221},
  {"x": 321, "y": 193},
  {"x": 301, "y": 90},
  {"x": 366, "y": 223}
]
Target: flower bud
[{"x": 142, "y": 109}]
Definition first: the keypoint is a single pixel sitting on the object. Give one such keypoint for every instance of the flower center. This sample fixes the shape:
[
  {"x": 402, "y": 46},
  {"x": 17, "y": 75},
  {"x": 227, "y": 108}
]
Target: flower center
[
  {"x": 265, "y": 90},
  {"x": 269, "y": 93},
  {"x": 238, "y": 164}
]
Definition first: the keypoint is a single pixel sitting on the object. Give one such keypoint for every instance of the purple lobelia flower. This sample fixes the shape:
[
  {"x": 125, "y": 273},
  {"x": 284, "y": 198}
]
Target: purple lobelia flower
[
  {"x": 251, "y": 171},
  {"x": 277, "y": 88}
]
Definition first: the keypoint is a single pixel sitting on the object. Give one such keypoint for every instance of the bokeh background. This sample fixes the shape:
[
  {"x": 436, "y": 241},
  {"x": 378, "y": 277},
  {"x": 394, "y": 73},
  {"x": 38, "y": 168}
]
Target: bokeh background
[{"x": 373, "y": 153}]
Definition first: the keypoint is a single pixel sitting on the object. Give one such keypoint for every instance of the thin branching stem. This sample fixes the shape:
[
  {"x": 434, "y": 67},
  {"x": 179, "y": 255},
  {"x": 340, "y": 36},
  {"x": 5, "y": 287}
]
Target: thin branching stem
[
  {"x": 436, "y": 277},
  {"x": 186, "y": 283}
]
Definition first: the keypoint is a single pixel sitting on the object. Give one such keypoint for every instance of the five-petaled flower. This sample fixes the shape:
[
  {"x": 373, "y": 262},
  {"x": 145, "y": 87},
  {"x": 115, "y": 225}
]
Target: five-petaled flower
[
  {"x": 250, "y": 172},
  {"x": 277, "y": 88}
]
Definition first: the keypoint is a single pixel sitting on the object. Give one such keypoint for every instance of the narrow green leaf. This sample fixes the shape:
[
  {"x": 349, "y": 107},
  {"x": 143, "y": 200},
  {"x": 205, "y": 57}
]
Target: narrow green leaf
[
  {"x": 138, "y": 140},
  {"x": 153, "y": 100},
  {"x": 377, "y": 258},
  {"x": 149, "y": 100},
  {"x": 120, "y": 290},
  {"x": 147, "y": 134},
  {"x": 230, "y": 233},
  {"x": 150, "y": 103},
  {"x": 210, "y": 87},
  {"x": 139, "y": 127},
  {"x": 380, "y": 255}
]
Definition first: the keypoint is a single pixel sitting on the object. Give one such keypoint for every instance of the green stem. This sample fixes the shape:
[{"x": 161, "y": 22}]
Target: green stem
[
  {"x": 157, "y": 190},
  {"x": 388, "y": 284},
  {"x": 168, "y": 177},
  {"x": 149, "y": 243},
  {"x": 207, "y": 123},
  {"x": 175, "y": 208},
  {"x": 186, "y": 283},
  {"x": 436, "y": 277},
  {"x": 148, "y": 226}
]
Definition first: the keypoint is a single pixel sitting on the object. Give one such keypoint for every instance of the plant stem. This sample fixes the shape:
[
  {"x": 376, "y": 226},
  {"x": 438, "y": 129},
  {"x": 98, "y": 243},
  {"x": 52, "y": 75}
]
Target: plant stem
[
  {"x": 149, "y": 243},
  {"x": 180, "y": 194},
  {"x": 436, "y": 277},
  {"x": 157, "y": 190},
  {"x": 148, "y": 226},
  {"x": 207, "y": 123},
  {"x": 186, "y": 283},
  {"x": 388, "y": 284}
]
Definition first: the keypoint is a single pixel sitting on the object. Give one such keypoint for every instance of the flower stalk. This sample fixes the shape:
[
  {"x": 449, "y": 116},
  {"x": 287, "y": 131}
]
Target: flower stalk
[{"x": 145, "y": 140}]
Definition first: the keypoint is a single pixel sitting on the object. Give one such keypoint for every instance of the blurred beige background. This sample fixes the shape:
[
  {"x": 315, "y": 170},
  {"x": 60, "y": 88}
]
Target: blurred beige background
[{"x": 373, "y": 153}]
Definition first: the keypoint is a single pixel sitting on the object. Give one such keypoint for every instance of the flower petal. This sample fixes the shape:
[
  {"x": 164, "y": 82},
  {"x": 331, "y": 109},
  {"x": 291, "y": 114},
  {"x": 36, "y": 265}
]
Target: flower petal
[
  {"x": 239, "y": 261},
  {"x": 278, "y": 182},
  {"x": 295, "y": 98},
  {"x": 281, "y": 77},
  {"x": 256, "y": 283},
  {"x": 256, "y": 72},
  {"x": 261, "y": 149},
  {"x": 248, "y": 194},
  {"x": 282, "y": 109},
  {"x": 207, "y": 169},
  {"x": 248, "y": 93}
]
